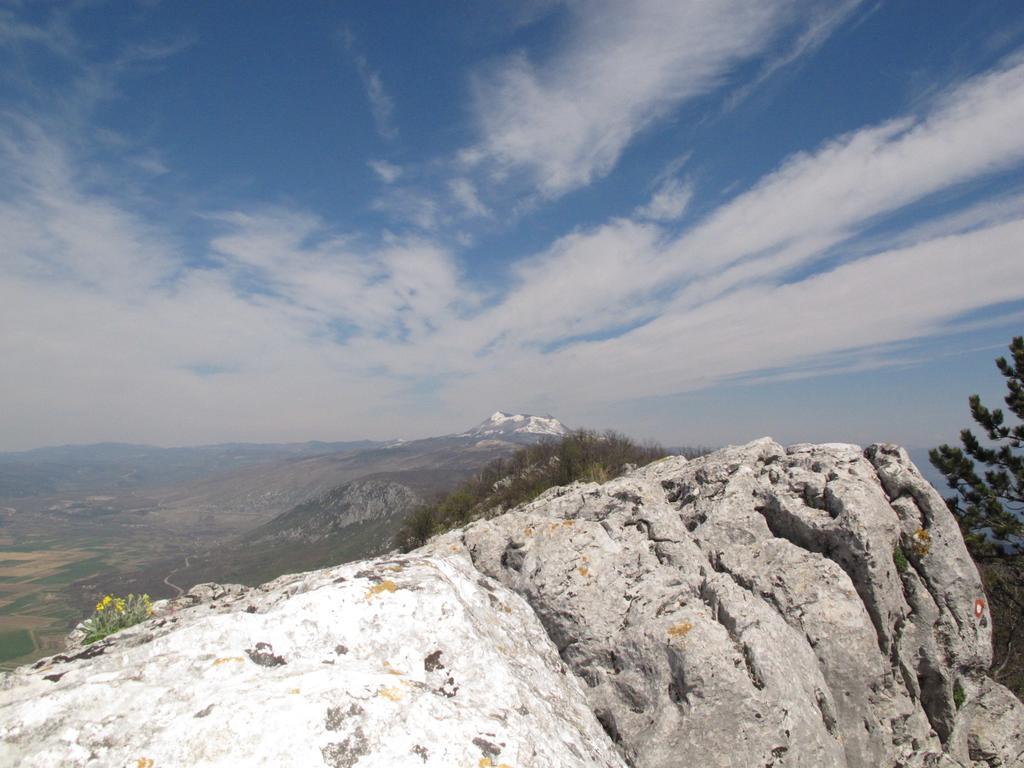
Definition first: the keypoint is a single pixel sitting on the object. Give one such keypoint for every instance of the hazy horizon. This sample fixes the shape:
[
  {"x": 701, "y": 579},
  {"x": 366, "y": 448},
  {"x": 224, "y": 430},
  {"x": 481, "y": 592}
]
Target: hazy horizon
[{"x": 689, "y": 222}]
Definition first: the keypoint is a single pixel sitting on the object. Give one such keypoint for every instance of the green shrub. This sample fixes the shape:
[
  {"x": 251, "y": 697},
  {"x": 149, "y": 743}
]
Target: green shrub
[
  {"x": 115, "y": 613},
  {"x": 506, "y": 483},
  {"x": 900, "y": 559},
  {"x": 959, "y": 697}
]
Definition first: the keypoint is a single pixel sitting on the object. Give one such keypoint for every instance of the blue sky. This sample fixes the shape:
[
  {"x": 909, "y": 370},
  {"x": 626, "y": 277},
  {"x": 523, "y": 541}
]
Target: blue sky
[{"x": 697, "y": 222}]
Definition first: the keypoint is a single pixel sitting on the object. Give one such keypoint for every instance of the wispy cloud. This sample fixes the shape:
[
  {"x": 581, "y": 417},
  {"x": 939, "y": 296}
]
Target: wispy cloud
[
  {"x": 278, "y": 322},
  {"x": 821, "y": 24},
  {"x": 565, "y": 121},
  {"x": 381, "y": 104},
  {"x": 54, "y": 33},
  {"x": 386, "y": 172},
  {"x": 618, "y": 311},
  {"x": 668, "y": 203},
  {"x": 464, "y": 193}
]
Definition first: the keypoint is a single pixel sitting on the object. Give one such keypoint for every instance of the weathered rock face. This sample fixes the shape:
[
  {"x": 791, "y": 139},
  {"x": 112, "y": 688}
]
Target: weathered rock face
[
  {"x": 762, "y": 606},
  {"x": 407, "y": 662},
  {"x": 812, "y": 606}
]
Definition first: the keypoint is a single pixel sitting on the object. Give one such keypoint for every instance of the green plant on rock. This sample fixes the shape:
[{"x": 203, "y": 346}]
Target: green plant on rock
[
  {"x": 899, "y": 559},
  {"x": 116, "y": 613},
  {"x": 505, "y": 483},
  {"x": 959, "y": 696}
]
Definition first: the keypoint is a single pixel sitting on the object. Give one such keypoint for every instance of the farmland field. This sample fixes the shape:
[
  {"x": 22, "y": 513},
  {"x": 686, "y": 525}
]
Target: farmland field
[
  {"x": 51, "y": 565},
  {"x": 34, "y": 613},
  {"x": 16, "y": 643}
]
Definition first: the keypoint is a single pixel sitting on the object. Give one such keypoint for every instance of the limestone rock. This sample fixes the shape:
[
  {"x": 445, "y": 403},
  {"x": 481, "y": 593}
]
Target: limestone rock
[
  {"x": 403, "y": 662},
  {"x": 762, "y": 606},
  {"x": 803, "y": 607}
]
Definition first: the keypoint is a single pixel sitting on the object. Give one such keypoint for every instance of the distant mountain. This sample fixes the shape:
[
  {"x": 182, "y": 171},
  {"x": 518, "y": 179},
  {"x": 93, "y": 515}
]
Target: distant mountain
[
  {"x": 234, "y": 502},
  {"x": 342, "y": 524},
  {"x": 107, "y": 467},
  {"x": 518, "y": 427},
  {"x": 361, "y": 501},
  {"x": 314, "y": 511}
]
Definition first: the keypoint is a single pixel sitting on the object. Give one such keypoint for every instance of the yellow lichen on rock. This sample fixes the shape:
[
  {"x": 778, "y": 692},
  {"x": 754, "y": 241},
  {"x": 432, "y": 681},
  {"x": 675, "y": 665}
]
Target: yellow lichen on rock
[
  {"x": 921, "y": 542},
  {"x": 144, "y": 762},
  {"x": 486, "y": 762},
  {"x": 226, "y": 659},
  {"x": 391, "y": 694},
  {"x": 680, "y": 630},
  {"x": 583, "y": 570},
  {"x": 385, "y": 586}
]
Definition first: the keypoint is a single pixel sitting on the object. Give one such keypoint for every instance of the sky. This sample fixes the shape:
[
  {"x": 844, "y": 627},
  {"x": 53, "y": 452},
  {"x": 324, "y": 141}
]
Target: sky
[{"x": 693, "y": 222}]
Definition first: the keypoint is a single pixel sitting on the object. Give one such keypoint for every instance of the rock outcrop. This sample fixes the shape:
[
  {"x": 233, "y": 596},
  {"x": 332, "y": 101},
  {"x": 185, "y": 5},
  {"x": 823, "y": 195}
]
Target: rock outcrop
[
  {"x": 812, "y": 606},
  {"x": 407, "y": 662}
]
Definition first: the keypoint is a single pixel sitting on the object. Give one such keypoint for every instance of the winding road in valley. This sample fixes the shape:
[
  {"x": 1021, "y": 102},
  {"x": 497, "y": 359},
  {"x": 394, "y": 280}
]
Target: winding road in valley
[{"x": 175, "y": 587}]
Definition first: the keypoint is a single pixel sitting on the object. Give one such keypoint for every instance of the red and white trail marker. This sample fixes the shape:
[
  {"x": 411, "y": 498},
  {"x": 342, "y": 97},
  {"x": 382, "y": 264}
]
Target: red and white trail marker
[{"x": 979, "y": 608}]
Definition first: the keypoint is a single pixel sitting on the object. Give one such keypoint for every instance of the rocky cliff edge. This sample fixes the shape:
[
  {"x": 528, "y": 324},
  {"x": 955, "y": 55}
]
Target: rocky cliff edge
[{"x": 761, "y": 606}]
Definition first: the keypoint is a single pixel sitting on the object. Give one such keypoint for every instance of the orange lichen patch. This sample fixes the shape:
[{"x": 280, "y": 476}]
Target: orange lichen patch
[
  {"x": 385, "y": 586},
  {"x": 394, "y": 568},
  {"x": 144, "y": 762},
  {"x": 391, "y": 670},
  {"x": 391, "y": 694},
  {"x": 226, "y": 659},
  {"x": 921, "y": 542},
  {"x": 486, "y": 762},
  {"x": 552, "y": 527},
  {"x": 681, "y": 629},
  {"x": 568, "y": 523},
  {"x": 585, "y": 558},
  {"x": 583, "y": 570},
  {"x": 293, "y": 690},
  {"x": 528, "y": 530}
]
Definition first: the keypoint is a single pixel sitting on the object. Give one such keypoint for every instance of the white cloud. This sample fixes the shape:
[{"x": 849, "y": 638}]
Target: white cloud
[
  {"x": 53, "y": 230},
  {"x": 888, "y": 297},
  {"x": 464, "y": 193},
  {"x": 382, "y": 106},
  {"x": 668, "y": 203},
  {"x": 567, "y": 120},
  {"x": 396, "y": 291},
  {"x": 322, "y": 333},
  {"x": 819, "y": 199},
  {"x": 388, "y": 172},
  {"x": 822, "y": 22},
  {"x": 411, "y": 207},
  {"x": 788, "y": 219}
]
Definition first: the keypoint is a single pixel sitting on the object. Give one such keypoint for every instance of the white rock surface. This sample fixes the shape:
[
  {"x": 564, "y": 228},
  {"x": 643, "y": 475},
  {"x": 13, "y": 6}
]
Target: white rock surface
[
  {"x": 403, "y": 662},
  {"x": 809, "y": 607}
]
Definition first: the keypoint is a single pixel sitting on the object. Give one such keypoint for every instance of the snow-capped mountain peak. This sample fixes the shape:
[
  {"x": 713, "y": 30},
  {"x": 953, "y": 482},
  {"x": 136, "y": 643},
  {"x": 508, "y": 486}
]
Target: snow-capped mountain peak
[{"x": 502, "y": 424}]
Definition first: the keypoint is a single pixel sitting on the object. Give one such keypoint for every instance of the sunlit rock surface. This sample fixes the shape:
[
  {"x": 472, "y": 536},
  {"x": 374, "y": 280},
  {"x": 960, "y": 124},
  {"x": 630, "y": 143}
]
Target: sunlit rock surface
[
  {"x": 405, "y": 662},
  {"x": 762, "y": 606}
]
